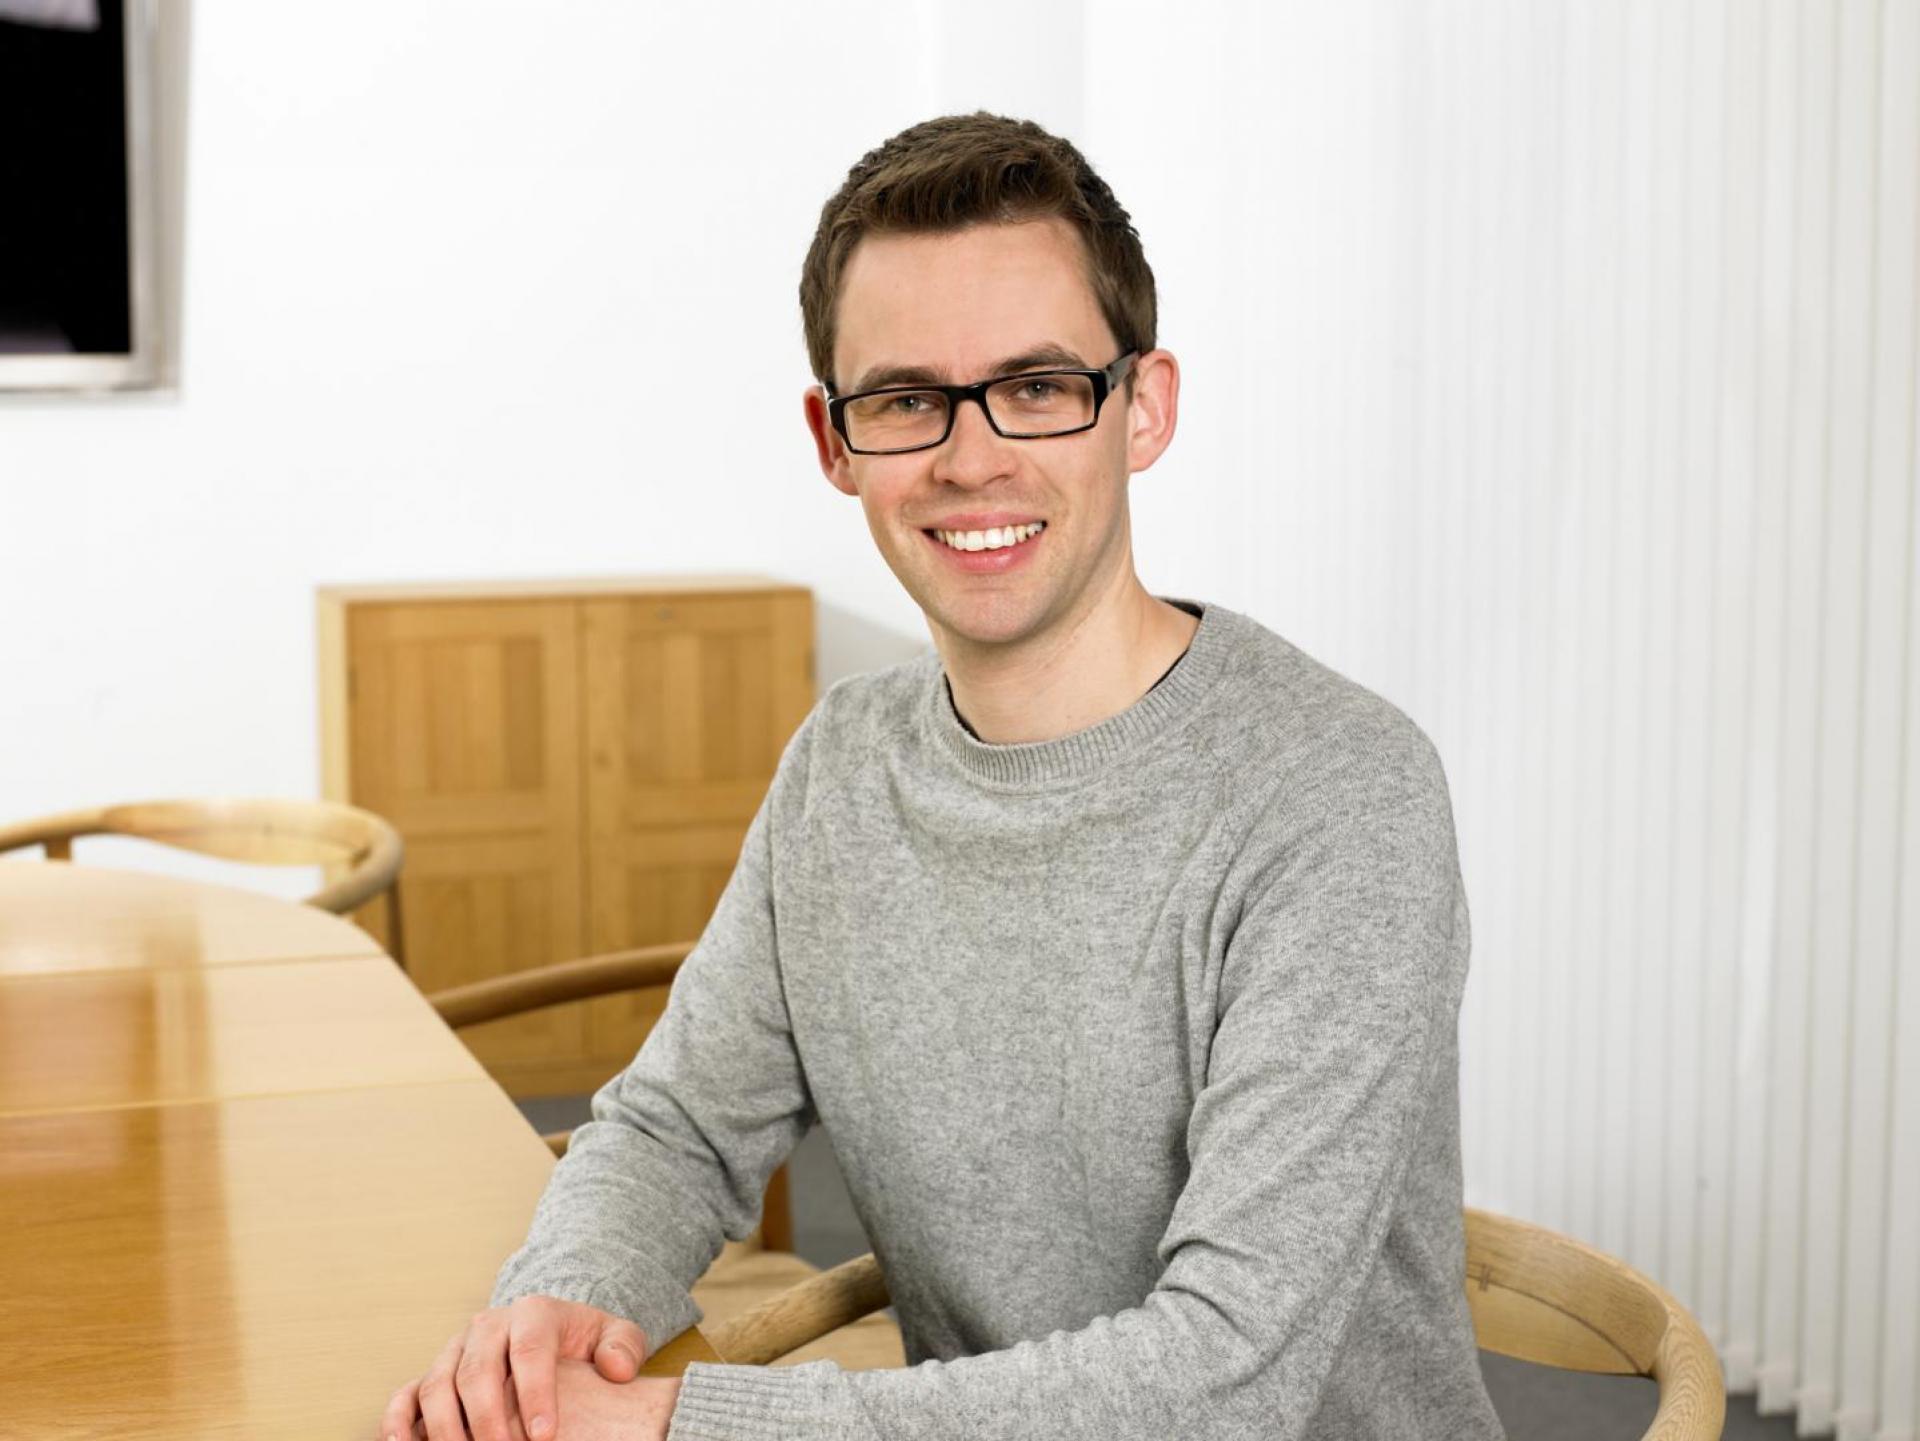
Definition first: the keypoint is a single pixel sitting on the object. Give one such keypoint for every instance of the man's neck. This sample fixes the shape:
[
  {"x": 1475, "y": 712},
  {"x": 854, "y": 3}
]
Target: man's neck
[{"x": 1065, "y": 681}]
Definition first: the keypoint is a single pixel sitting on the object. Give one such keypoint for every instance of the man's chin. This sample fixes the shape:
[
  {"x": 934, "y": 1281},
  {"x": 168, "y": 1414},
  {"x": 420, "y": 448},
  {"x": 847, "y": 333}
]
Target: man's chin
[
  {"x": 979, "y": 611},
  {"x": 982, "y": 625}
]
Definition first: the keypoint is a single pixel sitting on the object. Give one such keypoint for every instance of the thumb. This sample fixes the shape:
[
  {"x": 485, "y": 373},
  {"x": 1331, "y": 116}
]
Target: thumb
[{"x": 620, "y": 1350}]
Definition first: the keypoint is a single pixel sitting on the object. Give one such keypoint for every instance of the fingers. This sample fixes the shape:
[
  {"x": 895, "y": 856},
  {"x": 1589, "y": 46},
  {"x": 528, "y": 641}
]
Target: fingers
[
  {"x": 497, "y": 1380},
  {"x": 439, "y": 1400},
  {"x": 396, "y": 1422},
  {"x": 481, "y": 1377},
  {"x": 533, "y": 1349},
  {"x": 620, "y": 1349},
  {"x": 515, "y": 1424}
]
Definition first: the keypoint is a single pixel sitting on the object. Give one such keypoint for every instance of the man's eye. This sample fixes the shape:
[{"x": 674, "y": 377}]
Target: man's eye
[
  {"x": 1039, "y": 390},
  {"x": 913, "y": 403}
]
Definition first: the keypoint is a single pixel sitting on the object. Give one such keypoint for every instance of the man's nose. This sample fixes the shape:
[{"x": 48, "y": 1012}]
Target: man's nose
[{"x": 973, "y": 452}]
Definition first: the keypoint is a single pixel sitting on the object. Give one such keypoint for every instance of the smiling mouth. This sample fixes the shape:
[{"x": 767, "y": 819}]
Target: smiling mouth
[{"x": 996, "y": 538}]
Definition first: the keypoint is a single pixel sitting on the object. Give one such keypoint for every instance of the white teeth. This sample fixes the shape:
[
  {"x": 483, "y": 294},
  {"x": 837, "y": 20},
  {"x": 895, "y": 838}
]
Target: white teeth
[{"x": 996, "y": 538}]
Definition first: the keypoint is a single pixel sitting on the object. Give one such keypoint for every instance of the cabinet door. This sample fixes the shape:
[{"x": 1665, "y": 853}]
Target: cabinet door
[
  {"x": 689, "y": 702},
  {"x": 466, "y": 735}
]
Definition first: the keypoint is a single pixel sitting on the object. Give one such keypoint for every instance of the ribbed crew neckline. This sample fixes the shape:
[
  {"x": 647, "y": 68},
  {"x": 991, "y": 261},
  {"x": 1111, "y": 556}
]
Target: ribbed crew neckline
[{"x": 1086, "y": 751}]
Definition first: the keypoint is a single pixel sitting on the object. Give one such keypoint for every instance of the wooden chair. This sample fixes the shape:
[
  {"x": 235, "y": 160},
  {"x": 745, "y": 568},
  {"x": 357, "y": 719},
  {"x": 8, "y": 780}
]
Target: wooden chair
[
  {"x": 362, "y": 851},
  {"x": 1543, "y": 1297},
  {"x": 747, "y": 1275},
  {"x": 1535, "y": 1295}
]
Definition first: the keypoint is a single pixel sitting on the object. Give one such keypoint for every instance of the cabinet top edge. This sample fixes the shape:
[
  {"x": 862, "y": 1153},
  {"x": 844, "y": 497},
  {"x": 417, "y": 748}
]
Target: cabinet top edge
[{"x": 689, "y": 584}]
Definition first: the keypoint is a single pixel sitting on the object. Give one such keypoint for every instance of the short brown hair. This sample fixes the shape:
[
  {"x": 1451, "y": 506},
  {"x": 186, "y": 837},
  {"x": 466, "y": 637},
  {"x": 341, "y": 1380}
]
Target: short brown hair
[{"x": 962, "y": 170}]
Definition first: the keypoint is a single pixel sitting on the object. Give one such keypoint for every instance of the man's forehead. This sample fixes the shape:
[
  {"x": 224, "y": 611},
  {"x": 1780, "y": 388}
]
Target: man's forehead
[{"x": 959, "y": 304}]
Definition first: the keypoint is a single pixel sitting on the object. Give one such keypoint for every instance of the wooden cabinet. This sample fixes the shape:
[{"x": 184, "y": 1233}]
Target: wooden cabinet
[{"x": 573, "y": 767}]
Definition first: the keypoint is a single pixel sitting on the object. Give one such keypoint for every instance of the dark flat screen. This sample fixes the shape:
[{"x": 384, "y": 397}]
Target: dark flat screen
[{"x": 64, "y": 264}]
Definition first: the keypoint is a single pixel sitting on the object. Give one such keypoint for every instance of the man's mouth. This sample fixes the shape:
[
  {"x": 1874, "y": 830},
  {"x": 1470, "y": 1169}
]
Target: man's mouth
[{"x": 996, "y": 538}]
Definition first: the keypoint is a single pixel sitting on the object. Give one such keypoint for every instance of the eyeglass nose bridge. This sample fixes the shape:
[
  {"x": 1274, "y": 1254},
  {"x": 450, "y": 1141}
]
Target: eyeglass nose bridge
[{"x": 958, "y": 396}]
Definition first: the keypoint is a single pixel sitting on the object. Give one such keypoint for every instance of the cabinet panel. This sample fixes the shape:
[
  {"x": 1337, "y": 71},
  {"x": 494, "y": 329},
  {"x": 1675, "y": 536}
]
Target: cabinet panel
[
  {"x": 465, "y": 728},
  {"x": 688, "y": 706}
]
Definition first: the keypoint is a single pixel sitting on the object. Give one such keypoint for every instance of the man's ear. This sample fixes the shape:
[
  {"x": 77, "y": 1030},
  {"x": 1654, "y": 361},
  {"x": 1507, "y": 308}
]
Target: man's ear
[
  {"x": 1154, "y": 409},
  {"x": 836, "y": 464}
]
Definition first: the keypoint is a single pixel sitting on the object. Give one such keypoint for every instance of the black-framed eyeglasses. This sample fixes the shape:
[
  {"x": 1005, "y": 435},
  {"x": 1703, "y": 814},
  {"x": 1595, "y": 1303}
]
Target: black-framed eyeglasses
[{"x": 1033, "y": 405}]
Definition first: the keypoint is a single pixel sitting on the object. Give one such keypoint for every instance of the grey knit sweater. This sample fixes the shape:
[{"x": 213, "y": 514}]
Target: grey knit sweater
[{"x": 1137, "y": 1048}]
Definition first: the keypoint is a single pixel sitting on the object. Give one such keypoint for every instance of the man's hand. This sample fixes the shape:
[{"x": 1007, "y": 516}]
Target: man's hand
[
  {"x": 496, "y": 1381},
  {"x": 597, "y": 1409}
]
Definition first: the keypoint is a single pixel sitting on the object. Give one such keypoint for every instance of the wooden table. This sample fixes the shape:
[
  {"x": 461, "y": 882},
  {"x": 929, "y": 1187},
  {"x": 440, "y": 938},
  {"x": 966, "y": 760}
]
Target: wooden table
[{"x": 249, "y": 1183}]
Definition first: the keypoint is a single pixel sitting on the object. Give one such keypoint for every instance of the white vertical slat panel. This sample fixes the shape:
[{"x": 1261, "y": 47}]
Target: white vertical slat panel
[
  {"x": 1340, "y": 122},
  {"x": 1445, "y": 597},
  {"x": 1660, "y": 483},
  {"x": 1489, "y": 707},
  {"x": 1844, "y": 418},
  {"x": 1542, "y": 939},
  {"x": 1880, "y": 1338},
  {"x": 1757, "y": 1115},
  {"x": 1560, "y": 1135},
  {"x": 1885, "y": 440},
  {"x": 1737, "y": 406},
  {"x": 1599, "y": 980},
  {"x": 1806, "y": 454},
  {"x": 1292, "y": 110},
  {"x": 1449, "y": 580},
  {"x": 1591, "y": 250},
  {"x": 1382, "y": 356},
  {"x": 1696, "y": 486},
  {"x": 1407, "y": 329},
  {"x": 1534, "y": 488},
  {"x": 1426, "y": 138},
  {"x": 1629, "y": 483},
  {"x": 1605, "y": 29},
  {"x": 1259, "y": 371},
  {"x": 1306, "y": 110}
]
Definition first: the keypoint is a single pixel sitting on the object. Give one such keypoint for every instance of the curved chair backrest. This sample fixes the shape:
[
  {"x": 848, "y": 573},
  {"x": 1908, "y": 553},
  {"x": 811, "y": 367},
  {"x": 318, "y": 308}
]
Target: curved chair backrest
[
  {"x": 263, "y": 832},
  {"x": 559, "y": 983},
  {"x": 1539, "y": 1296}
]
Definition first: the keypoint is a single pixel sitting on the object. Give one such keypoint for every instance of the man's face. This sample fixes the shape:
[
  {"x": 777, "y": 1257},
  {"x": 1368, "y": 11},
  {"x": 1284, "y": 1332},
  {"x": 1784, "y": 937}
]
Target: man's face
[{"x": 965, "y": 306}]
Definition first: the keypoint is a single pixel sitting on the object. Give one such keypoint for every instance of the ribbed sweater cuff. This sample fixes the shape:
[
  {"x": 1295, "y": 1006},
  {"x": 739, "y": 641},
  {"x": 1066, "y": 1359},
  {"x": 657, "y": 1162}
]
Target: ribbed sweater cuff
[{"x": 739, "y": 1403}]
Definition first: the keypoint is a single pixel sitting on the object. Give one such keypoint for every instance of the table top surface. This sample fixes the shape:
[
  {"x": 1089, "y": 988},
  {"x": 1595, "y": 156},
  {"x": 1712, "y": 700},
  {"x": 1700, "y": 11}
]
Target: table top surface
[
  {"x": 58, "y": 917},
  {"x": 249, "y": 1182}
]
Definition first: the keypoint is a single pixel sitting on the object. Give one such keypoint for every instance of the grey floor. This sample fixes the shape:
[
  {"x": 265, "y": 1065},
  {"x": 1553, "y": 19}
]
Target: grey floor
[{"x": 1535, "y": 1403}]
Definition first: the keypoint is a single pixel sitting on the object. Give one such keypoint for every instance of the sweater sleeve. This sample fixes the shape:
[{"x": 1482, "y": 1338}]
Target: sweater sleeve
[
  {"x": 681, "y": 1143},
  {"x": 1339, "y": 988}
]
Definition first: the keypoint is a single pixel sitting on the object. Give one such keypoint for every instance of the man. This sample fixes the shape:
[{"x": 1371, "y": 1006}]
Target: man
[{"x": 1118, "y": 945}]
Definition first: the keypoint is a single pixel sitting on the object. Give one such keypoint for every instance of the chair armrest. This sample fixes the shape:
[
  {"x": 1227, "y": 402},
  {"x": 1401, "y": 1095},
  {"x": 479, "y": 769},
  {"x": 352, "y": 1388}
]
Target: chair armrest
[
  {"x": 804, "y": 1313},
  {"x": 1693, "y": 1393},
  {"x": 557, "y": 984}
]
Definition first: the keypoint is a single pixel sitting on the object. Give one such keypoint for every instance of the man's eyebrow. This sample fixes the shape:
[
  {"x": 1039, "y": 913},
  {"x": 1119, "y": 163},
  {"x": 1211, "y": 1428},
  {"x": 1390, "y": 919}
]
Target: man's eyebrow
[{"x": 1041, "y": 357}]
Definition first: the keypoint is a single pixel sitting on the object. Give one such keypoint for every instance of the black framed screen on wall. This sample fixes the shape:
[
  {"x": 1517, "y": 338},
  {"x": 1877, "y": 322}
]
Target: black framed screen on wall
[{"x": 74, "y": 303}]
